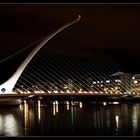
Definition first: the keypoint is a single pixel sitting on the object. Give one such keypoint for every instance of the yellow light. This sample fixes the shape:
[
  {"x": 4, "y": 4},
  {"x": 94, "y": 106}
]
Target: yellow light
[
  {"x": 68, "y": 91},
  {"x": 107, "y": 81},
  {"x": 57, "y": 108},
  {"x": 25, "y": 115},
  {"x": 104, "y": 103},
  {"x": 135, "y": 82},
  {"x": 80, "y": 104},
  {"x": 56, "y": 102},
  {"x": 117, "y": 119},
  {"x": 42, "y": 91},
  {"x": 54, "y": 112},
  {"x": 133, "y": 77},
  {"x": 68, "y": 105},
  {"x": 115, "y": 102},
  {"x": 39, "y": 114},
  {"x": 49, "y": 91}
]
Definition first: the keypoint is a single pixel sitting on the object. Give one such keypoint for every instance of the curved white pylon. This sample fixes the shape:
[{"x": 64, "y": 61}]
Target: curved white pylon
[{"x": 7, "y": 87}]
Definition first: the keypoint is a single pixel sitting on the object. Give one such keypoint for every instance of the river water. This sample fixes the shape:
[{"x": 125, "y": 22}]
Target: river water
[{"x": 40, "y": 118}]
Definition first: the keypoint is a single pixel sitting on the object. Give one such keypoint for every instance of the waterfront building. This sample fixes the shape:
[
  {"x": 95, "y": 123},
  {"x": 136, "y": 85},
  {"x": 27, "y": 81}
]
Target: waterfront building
[
  {"x": 116, "y": 83},
  {"x": 124, "y": 81},
  {"x": 135, "y": 84}
]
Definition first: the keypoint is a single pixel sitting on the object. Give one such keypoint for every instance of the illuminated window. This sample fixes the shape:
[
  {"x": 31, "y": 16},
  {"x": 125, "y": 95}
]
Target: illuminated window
[
  {"x": 133, "y": 77},
  {"x": 135, "y": 82}
]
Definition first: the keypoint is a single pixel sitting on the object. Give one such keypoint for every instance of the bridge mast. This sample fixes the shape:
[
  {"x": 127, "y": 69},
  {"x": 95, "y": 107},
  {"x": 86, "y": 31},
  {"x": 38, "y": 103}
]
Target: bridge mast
[{"x": 7, "y": 87}]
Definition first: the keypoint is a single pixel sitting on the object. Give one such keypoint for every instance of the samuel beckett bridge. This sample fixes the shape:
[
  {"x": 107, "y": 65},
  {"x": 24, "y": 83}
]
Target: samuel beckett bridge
[{"x": 68, "y": 78}]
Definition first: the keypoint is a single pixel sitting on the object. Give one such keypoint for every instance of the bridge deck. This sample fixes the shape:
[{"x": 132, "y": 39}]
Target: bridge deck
[
  {"x": 73, "y": 96},
  {"x": 60, "y": 94}
]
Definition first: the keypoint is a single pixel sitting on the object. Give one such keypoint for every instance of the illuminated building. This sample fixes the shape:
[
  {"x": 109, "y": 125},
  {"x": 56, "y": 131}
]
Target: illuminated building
[
  {"x": 115, "y": 83},
  {"x": 125, "y": 81},
  {"x": 70, "y": 85},
  {"x": 135, "y": 83}
]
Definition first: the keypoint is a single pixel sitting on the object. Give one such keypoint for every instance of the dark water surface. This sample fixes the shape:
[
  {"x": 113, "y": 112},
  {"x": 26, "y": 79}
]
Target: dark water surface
[{"x": 40, "y": 118}]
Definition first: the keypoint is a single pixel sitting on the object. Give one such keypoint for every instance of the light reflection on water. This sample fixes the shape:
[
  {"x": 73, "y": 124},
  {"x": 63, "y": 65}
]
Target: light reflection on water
[
  {"x": 9, "y": 126},
  {"x": 117, "y": 122},
  {"x": 26, "y": 117},
  {"x": 135, "y": 119},
  {"x": 38, "y": 118},
  {"x": 39, "y": 113},
  {"x": 68, "y": 105},
  {"x": 9, "y": 122}
]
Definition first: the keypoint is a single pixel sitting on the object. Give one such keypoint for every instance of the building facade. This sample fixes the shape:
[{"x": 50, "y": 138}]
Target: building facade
[{"x": 135, "y": 84}]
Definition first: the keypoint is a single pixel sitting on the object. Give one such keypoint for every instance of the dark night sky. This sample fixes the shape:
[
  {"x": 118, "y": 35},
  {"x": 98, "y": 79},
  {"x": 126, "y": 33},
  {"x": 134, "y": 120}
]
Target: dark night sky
[{"x": 114, "y": 27}]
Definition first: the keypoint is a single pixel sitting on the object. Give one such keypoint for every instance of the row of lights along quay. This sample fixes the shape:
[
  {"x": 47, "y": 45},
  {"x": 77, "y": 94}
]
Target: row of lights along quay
[{"x": 118, "y": 84}]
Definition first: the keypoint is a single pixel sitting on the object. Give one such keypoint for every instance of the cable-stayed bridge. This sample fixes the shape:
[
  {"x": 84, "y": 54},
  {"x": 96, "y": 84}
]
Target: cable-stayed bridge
[{"x": 64, "y": 75}]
